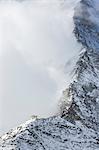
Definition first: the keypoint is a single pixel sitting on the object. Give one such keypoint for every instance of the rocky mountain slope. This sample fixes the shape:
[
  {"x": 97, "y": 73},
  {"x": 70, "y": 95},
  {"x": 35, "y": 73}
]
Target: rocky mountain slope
[{"x": 77, "y": 128}]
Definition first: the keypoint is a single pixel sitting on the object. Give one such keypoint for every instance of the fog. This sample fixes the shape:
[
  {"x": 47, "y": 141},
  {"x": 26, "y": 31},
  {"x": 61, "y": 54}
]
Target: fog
[{"x": 37, "y": 53}]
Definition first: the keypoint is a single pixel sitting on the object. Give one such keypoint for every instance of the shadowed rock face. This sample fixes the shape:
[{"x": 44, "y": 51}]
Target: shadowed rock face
[{"x": 78, "y": 127}]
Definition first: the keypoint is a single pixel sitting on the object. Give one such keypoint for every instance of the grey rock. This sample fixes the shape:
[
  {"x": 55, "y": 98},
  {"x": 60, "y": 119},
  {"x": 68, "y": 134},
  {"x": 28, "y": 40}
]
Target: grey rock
[{"x": 77, "y": 128}]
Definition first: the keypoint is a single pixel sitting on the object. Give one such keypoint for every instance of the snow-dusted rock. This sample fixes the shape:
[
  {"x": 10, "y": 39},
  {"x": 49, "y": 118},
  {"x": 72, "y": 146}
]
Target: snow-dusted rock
[{"x": 77, "y": 128}]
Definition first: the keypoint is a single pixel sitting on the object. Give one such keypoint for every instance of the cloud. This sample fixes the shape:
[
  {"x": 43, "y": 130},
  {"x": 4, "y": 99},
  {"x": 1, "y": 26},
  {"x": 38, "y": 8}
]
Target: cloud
[{"x": 36, "y": 43}]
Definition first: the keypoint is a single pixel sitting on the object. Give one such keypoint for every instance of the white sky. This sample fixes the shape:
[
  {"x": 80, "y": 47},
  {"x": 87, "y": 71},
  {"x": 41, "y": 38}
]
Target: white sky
[{"x": 36, "y": 42}]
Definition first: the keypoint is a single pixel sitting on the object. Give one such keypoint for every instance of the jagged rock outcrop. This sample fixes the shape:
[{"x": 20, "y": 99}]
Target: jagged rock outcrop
[{"x": 77, "y": 128}]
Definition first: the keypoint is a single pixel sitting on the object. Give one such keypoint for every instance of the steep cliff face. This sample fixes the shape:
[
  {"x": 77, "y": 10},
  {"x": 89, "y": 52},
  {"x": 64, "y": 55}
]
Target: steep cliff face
[
  {"x": 77, "y": 128},
  {"x": 84, "y": 90}
]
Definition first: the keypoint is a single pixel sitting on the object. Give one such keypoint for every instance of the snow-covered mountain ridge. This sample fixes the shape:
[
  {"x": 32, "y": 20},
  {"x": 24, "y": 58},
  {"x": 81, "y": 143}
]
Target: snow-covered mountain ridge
[{"x": 78, "y": 127}]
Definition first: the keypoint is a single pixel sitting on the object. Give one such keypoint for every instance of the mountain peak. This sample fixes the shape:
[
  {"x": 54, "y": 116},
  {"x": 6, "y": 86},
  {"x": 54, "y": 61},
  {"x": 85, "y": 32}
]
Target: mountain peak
[{"x": 77, "y": 128}]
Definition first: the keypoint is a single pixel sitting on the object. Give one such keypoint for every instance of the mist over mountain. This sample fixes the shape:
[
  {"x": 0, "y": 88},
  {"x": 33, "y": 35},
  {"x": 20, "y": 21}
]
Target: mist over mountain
[
  {"x": 76, "y": 126},
  {"x": 36, "y": 44}
]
